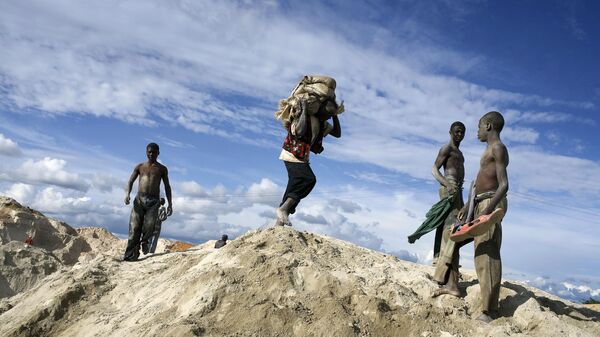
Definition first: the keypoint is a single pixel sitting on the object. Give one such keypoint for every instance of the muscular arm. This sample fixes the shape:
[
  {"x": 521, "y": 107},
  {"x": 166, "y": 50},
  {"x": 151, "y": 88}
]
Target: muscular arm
[
  {"x": 337, "y": 129},
  {"x": 501, "y": 162},
  {"x": 301, "y": 126},
  {"x": 165, "y": 179},
  {"x": 439, "y": 162},
  {"x": 134, "y": 176}
]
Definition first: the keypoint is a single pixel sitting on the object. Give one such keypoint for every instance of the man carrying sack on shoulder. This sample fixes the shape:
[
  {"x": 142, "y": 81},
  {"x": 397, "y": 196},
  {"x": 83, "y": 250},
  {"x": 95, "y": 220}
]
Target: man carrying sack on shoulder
[{"x": 305, "y": 134}]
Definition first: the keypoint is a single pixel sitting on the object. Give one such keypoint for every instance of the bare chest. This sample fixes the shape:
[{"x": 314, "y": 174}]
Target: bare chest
[
  {"x": 487, "y": 159},
  {"x": 150, "y": 171}
]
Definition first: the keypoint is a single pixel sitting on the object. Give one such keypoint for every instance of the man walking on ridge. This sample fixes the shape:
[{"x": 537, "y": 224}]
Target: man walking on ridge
[{"x": 144, "y": 214}]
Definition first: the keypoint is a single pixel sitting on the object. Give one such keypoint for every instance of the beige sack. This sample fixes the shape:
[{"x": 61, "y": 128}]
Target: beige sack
[{"x": 313, "y": 89}]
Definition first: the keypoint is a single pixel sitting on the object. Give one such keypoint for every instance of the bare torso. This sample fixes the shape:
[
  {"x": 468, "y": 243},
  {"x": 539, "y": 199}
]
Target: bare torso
[
  {"x": 487, "y": 178},
  {"x": 150, "y": 177},
  {"x": 454, "y": 165}
]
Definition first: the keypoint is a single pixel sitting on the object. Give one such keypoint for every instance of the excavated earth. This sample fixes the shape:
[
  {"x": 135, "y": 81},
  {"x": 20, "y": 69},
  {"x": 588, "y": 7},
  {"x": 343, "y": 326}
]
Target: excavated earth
[{"x": 271, "y": 282}]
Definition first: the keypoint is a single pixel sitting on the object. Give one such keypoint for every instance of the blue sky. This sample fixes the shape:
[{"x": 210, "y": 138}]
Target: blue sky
[{"x": 83, "y": 89}]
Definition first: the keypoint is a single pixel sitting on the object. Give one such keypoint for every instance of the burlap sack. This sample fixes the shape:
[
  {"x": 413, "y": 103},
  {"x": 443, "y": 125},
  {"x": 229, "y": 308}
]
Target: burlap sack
[{"x": 314, "y": 90}]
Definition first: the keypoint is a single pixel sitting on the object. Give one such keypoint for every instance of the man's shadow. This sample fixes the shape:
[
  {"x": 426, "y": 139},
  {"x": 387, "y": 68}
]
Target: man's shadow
[{"x": 509, "y": 305}]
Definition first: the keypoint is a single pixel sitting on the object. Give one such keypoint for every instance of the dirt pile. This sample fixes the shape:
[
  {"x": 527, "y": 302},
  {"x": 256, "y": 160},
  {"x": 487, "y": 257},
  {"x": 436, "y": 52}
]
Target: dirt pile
[
  {"x": 22, "y": 266},
  {"x": 275, "y": 282},
  {"x": 56, "y": 245},
  {"x": 56, "y": 237}
]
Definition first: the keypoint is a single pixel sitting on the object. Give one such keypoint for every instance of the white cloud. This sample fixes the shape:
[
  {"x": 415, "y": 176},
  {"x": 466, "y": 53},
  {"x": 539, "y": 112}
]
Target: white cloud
[
  {"x": 107, "y": 182},
  {"x": 574, "y": 290},
  {"x": 191, "y": 189},
  {"x": 520, "y": 135},
  {"x": 20, "y": 192},
  {"x": 51, "y": 200},
  {"x": 265, "y": 192},
  {"x": 151, "y": 73},
  {"x": 536, "y": 170},
  {"x": 49, "y": 171},
  {"x": 8, "y": 147}
]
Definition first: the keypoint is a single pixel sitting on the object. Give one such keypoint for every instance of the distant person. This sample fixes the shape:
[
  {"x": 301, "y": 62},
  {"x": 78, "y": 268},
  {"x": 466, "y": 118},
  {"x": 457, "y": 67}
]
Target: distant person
[
  {"x": 29, "y": 240},
  {"x": 222, "y": 242},
  {"x": 144, "y": 214},
  {"x": 443, "y": 214},
  {"x": 305, "y": 134},
  {"x": 162, "y": 216},
  {"x": 490, "y": 187}
]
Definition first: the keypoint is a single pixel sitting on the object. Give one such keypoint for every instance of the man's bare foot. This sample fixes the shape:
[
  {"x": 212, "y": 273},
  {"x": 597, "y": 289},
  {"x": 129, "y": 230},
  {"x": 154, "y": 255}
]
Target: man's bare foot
[
  {"x": 446, "y": 291},
  {"x": 484, "y": 318}
]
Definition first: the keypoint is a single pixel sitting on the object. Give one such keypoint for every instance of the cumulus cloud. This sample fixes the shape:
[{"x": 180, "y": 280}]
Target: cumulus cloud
[
  {"x": 49, "y": 171},
  {"x": 327, "y": 219},
  {"x": 575, "y": 291},
  {"x": 107, "y": 182},
  {"x": 192, "y": 189},
  {"x": 20, "y": 192},
  {"x": 265, "y": 192},
  {"x": 8, "y": 147},
  {"x": 51, "y": 200}
]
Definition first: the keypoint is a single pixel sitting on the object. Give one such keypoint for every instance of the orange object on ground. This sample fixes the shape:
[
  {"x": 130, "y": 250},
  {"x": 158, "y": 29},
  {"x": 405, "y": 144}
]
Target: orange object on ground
[
  {"x": 477, "y": 226},
  {"x": 179, "y": 246}
]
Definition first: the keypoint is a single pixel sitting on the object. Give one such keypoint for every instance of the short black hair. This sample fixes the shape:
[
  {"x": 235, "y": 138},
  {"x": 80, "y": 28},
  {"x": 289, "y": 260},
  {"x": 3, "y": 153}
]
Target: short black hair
[
  {"x": 153, "y": 146},
  {"x": 457, "y": 123},
  {"x": 224, "y": 237},
  {"x": 495, "y": 118}
]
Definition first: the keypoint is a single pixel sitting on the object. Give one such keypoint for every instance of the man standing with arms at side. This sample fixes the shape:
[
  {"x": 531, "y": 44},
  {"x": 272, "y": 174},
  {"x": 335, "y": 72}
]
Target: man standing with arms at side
[
  {"x": 491, "y": 187},
  {"x": 144, "y": 214}
]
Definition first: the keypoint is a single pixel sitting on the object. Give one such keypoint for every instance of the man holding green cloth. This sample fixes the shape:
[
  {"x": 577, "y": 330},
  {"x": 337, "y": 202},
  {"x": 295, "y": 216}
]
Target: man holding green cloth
[{"x": 443, "y": 214}]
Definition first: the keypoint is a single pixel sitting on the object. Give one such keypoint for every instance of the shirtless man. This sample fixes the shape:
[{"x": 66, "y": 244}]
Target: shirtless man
[
  {"x": 305, "y": 134},
  {"x": 451, "y": 159},
  {"x": 442, "y": 214},
  {"x": 491, "y": 187},
  {"x": 146, "y": 203}
]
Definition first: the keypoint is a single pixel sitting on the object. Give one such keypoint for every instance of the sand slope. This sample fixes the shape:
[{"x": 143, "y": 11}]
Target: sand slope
[
  {"x": 56, "y": 246},
  {"x": 274, "y": 282}
]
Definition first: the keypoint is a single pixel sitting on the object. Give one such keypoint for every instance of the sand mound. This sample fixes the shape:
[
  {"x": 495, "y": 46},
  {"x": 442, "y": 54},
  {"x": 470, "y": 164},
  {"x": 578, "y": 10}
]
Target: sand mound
[
  {"x": 17, "y": 222},
  {"x": 275, "y": 282},
  {"x": 55, "y": 245},
  {"x": 22, "y": 266}
]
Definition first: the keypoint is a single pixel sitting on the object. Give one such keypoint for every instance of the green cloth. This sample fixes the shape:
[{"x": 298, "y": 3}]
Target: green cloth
[{"x": 434, "y": 218}]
